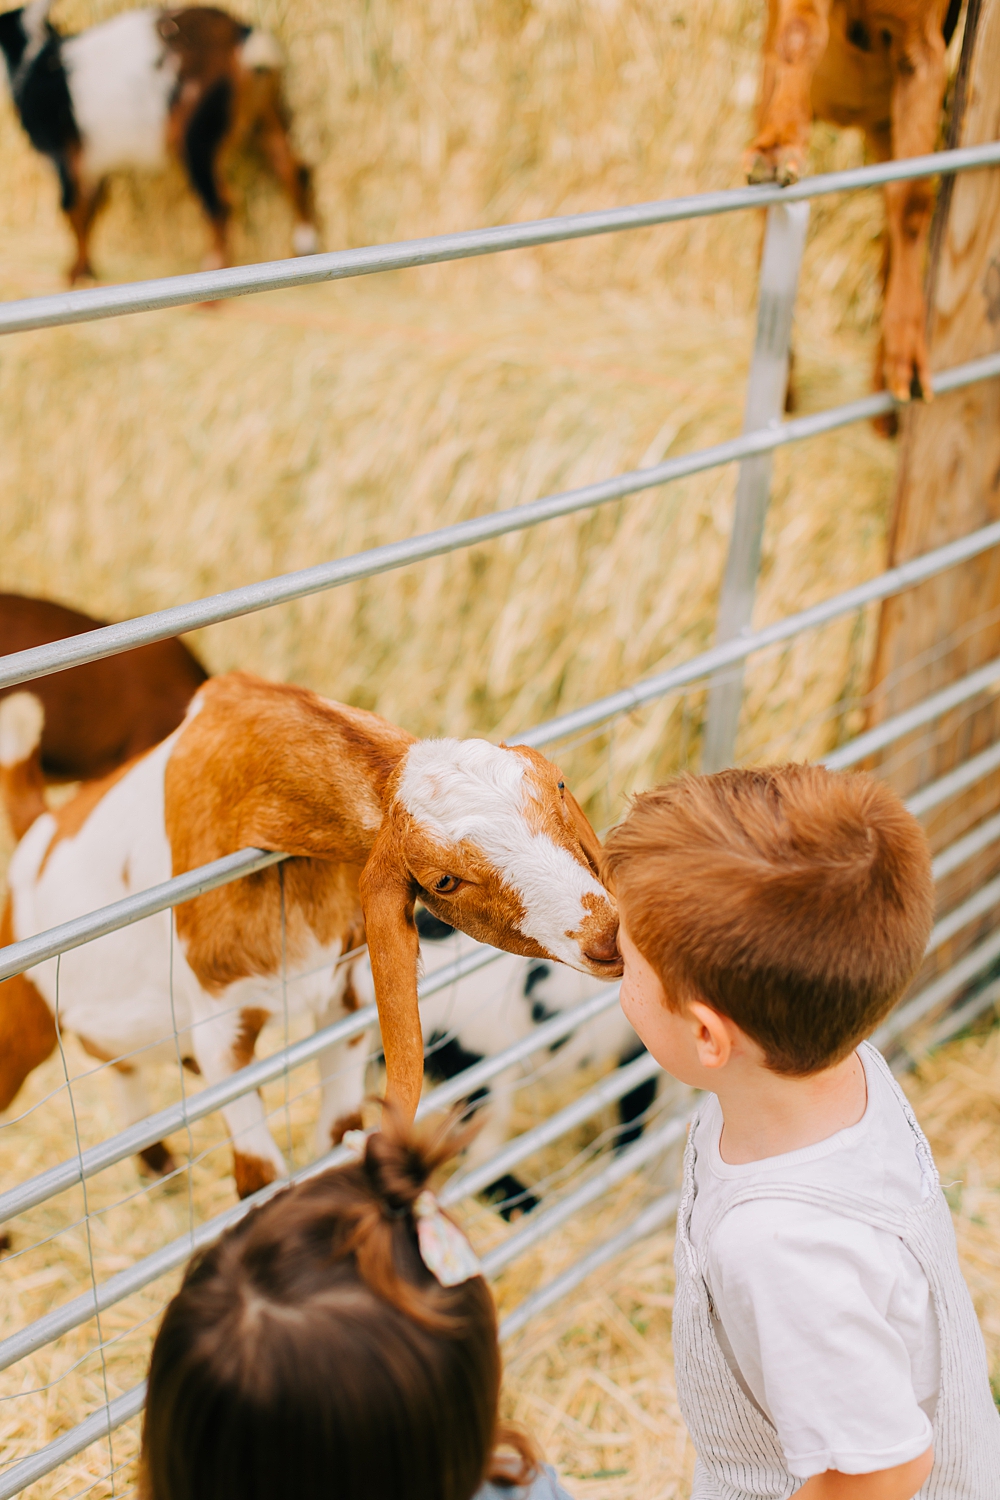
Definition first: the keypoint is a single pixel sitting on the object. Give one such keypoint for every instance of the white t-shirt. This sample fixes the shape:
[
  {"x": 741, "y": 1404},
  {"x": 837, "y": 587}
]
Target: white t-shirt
[{"x": 827, "y": 1323}]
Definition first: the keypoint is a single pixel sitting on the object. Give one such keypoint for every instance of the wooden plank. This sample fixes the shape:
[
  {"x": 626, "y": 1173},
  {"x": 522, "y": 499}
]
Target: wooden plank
[{"x": 949, "y": 471}]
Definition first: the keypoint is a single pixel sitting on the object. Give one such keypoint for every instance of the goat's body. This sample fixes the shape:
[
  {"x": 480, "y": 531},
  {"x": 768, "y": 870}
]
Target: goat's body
[
  {"x": 147, "y": 85},
  {"x": 278, "y": 768},
  {"x": 121, "y": 78}
]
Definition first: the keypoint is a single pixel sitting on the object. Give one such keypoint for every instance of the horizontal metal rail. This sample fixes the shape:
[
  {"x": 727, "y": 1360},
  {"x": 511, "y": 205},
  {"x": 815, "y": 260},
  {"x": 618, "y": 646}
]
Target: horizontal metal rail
[
  {"x": 101, "y": 1422},
  {"x": 968, "y": 968},
  {"x": 977, "y": 905},
  {"x": 921, "y": 713},
  {"x": 21, "y": 955},
  {"x": 544, "y": 1222},
  {"x": 657, "y": 1216},
  {"x": 206, "y": 1101},
  {"x": 948, "y": 786},
  {"x": 338, "y": 265},
  {"x": 71, "y": 1314},
  {"x": 608, "y": 1091},
  {"x": 966, "y": 848},
  {"x": 109, "y": 640}
]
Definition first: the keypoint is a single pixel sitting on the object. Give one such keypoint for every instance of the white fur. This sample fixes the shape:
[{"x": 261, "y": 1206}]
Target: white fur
[
  {"x": 261, "y": 53},
  {"x": 115, "y": 991},
  {"x": 121, "y": 75},
  {"x": 22, "y": 718},
  {"x": 470, "y": 790}
]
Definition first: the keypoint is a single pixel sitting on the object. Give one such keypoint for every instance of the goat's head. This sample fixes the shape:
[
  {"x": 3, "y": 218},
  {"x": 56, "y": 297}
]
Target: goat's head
[{"x": 491, "y": 841}]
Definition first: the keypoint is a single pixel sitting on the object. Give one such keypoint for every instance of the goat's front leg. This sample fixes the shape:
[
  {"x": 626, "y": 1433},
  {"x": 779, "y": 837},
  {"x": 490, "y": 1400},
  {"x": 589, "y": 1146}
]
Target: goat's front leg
[
  {"x": 797, "y": 36},
  {"x": 224, "y": 1042},
  {"x": 342, "y": 1069},
  {"x": 917, "y": 96}
]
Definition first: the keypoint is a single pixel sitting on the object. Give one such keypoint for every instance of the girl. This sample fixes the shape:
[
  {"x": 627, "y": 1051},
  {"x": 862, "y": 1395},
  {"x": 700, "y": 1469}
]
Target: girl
[{"x": 337, "y": 1344}]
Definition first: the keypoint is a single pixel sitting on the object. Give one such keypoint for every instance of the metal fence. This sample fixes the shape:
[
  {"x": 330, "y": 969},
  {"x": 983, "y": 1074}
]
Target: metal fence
[{"x": 941, "y": 1007}]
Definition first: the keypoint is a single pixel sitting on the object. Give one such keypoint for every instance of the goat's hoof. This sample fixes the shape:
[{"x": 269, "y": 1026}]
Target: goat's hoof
[
  {"x": 305, "y": 240},
  {"x": 779, "y": 164}
]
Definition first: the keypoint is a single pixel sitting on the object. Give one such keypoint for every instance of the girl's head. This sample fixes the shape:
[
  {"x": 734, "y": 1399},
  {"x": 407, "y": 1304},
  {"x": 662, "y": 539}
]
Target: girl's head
[{"x": 310, "y": 1352}]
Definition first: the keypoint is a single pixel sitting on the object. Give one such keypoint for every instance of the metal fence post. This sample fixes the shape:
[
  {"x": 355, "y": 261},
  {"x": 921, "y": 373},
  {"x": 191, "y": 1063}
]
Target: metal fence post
[{"x": 784, "y": 241}]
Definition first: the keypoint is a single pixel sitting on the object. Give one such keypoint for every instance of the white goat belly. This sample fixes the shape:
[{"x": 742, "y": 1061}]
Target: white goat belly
[
  {"x": 114, "y": 991},
  {"x": 121, "y": 77}
]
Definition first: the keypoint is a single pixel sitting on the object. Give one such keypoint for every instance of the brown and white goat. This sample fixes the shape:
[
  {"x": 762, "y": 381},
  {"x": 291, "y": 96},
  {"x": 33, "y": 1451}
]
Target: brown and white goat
[
  {"x": 98, "y": 715},
  {"x": 878, "y": 65},
  {"x": 192, "y": 83},
  {"x": 487, "y": 836}
]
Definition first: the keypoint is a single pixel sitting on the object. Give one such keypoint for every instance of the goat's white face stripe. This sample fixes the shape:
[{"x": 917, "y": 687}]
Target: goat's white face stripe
[{"x": 471, "y": 790}]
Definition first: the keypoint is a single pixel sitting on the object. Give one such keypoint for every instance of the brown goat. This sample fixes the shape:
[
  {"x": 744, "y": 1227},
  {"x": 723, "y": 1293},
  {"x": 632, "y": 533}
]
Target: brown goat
[{"x": 882, "y": 68}]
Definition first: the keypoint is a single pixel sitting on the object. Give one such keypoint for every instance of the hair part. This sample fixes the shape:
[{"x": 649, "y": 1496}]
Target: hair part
[
  {"x": 794, "y": 900},
  {"x": 310, "y": 1352}
]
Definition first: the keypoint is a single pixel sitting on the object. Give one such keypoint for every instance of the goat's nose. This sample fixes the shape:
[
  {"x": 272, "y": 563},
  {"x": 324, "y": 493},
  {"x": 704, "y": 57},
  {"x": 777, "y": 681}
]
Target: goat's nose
[{"x": 604, "y": 950}]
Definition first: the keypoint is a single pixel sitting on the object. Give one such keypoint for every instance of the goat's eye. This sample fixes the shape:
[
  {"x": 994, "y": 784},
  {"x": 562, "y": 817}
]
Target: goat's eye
[
  {"x": 562, "y": 786},
  {"x": 447, "y": 884}
]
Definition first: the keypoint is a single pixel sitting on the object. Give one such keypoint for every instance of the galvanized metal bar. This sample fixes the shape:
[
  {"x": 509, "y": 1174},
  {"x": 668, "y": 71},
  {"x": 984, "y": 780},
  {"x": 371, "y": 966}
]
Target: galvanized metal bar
[
  {"x": 608, "y": 1091},
  {"x": 980, "y": 681},
  {"x": 940, "y": 990},
  {"x": 40, "y": 661},
  {"x": 17, "y": 957},
  {"x": 657, "y": 1216},
  {"x": 967, "y": 847},
  {"x": 894, "y": 581},
  {"x": 544, "y": 1222},
  {"x": 79, "y": 1309},
  {"x": 206, "y": 1101},
  {"x": 948, "y": 786},
  {"x": 237, "y": 281},
  {"x": 977, "y": 905},
  {"x": 767, "y": 386},
  {"x": 98, "y": 1425}
]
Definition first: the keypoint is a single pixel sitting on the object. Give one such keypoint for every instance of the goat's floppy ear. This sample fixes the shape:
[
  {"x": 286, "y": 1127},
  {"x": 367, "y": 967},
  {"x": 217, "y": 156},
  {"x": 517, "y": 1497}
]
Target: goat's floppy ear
[
  {"x": 387, "y": 895},
  {"x": 589, "y": 842}
]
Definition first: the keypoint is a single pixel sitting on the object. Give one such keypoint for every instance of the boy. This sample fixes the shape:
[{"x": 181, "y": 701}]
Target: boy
[{"x": 826, "y": 1345}]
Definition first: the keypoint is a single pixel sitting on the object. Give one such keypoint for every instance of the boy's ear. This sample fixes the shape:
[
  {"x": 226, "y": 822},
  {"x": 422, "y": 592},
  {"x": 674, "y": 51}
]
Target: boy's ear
[{"x": 712, "y": 1036}]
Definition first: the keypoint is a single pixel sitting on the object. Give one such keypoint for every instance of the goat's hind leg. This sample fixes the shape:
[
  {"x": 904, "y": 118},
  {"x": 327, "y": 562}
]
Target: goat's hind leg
[
  {"x": 294, "y": 176},
  {"x": 202, "y": 145}
]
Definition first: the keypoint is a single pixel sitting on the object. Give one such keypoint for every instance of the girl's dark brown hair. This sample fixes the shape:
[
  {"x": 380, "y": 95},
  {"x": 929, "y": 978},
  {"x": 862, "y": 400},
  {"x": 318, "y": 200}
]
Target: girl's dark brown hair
[{"x": 310, "y": 1353}]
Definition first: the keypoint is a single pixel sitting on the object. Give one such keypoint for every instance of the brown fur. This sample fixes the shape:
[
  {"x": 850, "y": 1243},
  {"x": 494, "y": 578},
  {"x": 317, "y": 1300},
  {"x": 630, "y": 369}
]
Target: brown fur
[
  {"x": 251, "y": 1173},
  {"x": 278, "y": 767},
  {"x": 22, "y": 789},
  {"x": 27, "y": 1028},
  {"x": 881, "y": 67},
  {"x": 104, "y": 713},
  {"x": 794, "y": 900}
]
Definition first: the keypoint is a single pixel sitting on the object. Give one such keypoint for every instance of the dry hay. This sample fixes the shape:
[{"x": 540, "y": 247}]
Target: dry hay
[
  {"x": 152, "y": 459},
  {"x": 592, "y": 1377},
  {"x": 149, "y": 460}
]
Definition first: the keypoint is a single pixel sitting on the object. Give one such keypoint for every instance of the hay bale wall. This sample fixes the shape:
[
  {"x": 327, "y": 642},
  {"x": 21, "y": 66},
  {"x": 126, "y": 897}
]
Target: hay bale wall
[{"x": 152, "y": 459}]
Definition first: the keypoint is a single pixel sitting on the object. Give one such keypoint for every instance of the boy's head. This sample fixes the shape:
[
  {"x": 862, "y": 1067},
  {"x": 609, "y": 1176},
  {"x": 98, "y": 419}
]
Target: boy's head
[{"x": 792, "y": 900}]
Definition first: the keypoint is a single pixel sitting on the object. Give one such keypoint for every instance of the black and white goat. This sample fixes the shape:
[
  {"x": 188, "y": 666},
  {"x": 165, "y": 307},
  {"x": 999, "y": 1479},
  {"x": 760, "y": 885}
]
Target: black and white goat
[
  {"x": 147, "y": 85},
  {"x": 490, "y": 1009}
]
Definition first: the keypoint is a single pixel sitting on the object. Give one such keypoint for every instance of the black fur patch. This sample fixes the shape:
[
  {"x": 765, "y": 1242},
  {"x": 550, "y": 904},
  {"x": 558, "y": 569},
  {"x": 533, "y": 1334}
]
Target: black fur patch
[
  {"x": 430, "y": 928},
  {"x": 205, "y": 133},
  {"x": 951, "y": 20},
  {"x": 534, "y": 976},
  {"x": 633, "y": 1106},
  {"x": 512, "y": 1196},
  {"x": 41, "y": 94},
  {"x": 446, "y": 1058}
]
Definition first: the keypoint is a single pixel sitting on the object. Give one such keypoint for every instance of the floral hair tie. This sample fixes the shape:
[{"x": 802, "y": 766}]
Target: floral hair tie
[{"x": 443, "y": 1247}]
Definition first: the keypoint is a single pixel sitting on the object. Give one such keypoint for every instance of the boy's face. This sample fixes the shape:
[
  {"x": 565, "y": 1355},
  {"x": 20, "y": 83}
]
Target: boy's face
[
  {"x": 693, "y": 1043},
  {"x": 667, "y": 1033}
]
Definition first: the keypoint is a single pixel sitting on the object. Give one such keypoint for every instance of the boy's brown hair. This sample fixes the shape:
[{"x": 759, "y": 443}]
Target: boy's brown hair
[{"x": 794, "y": 900}]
